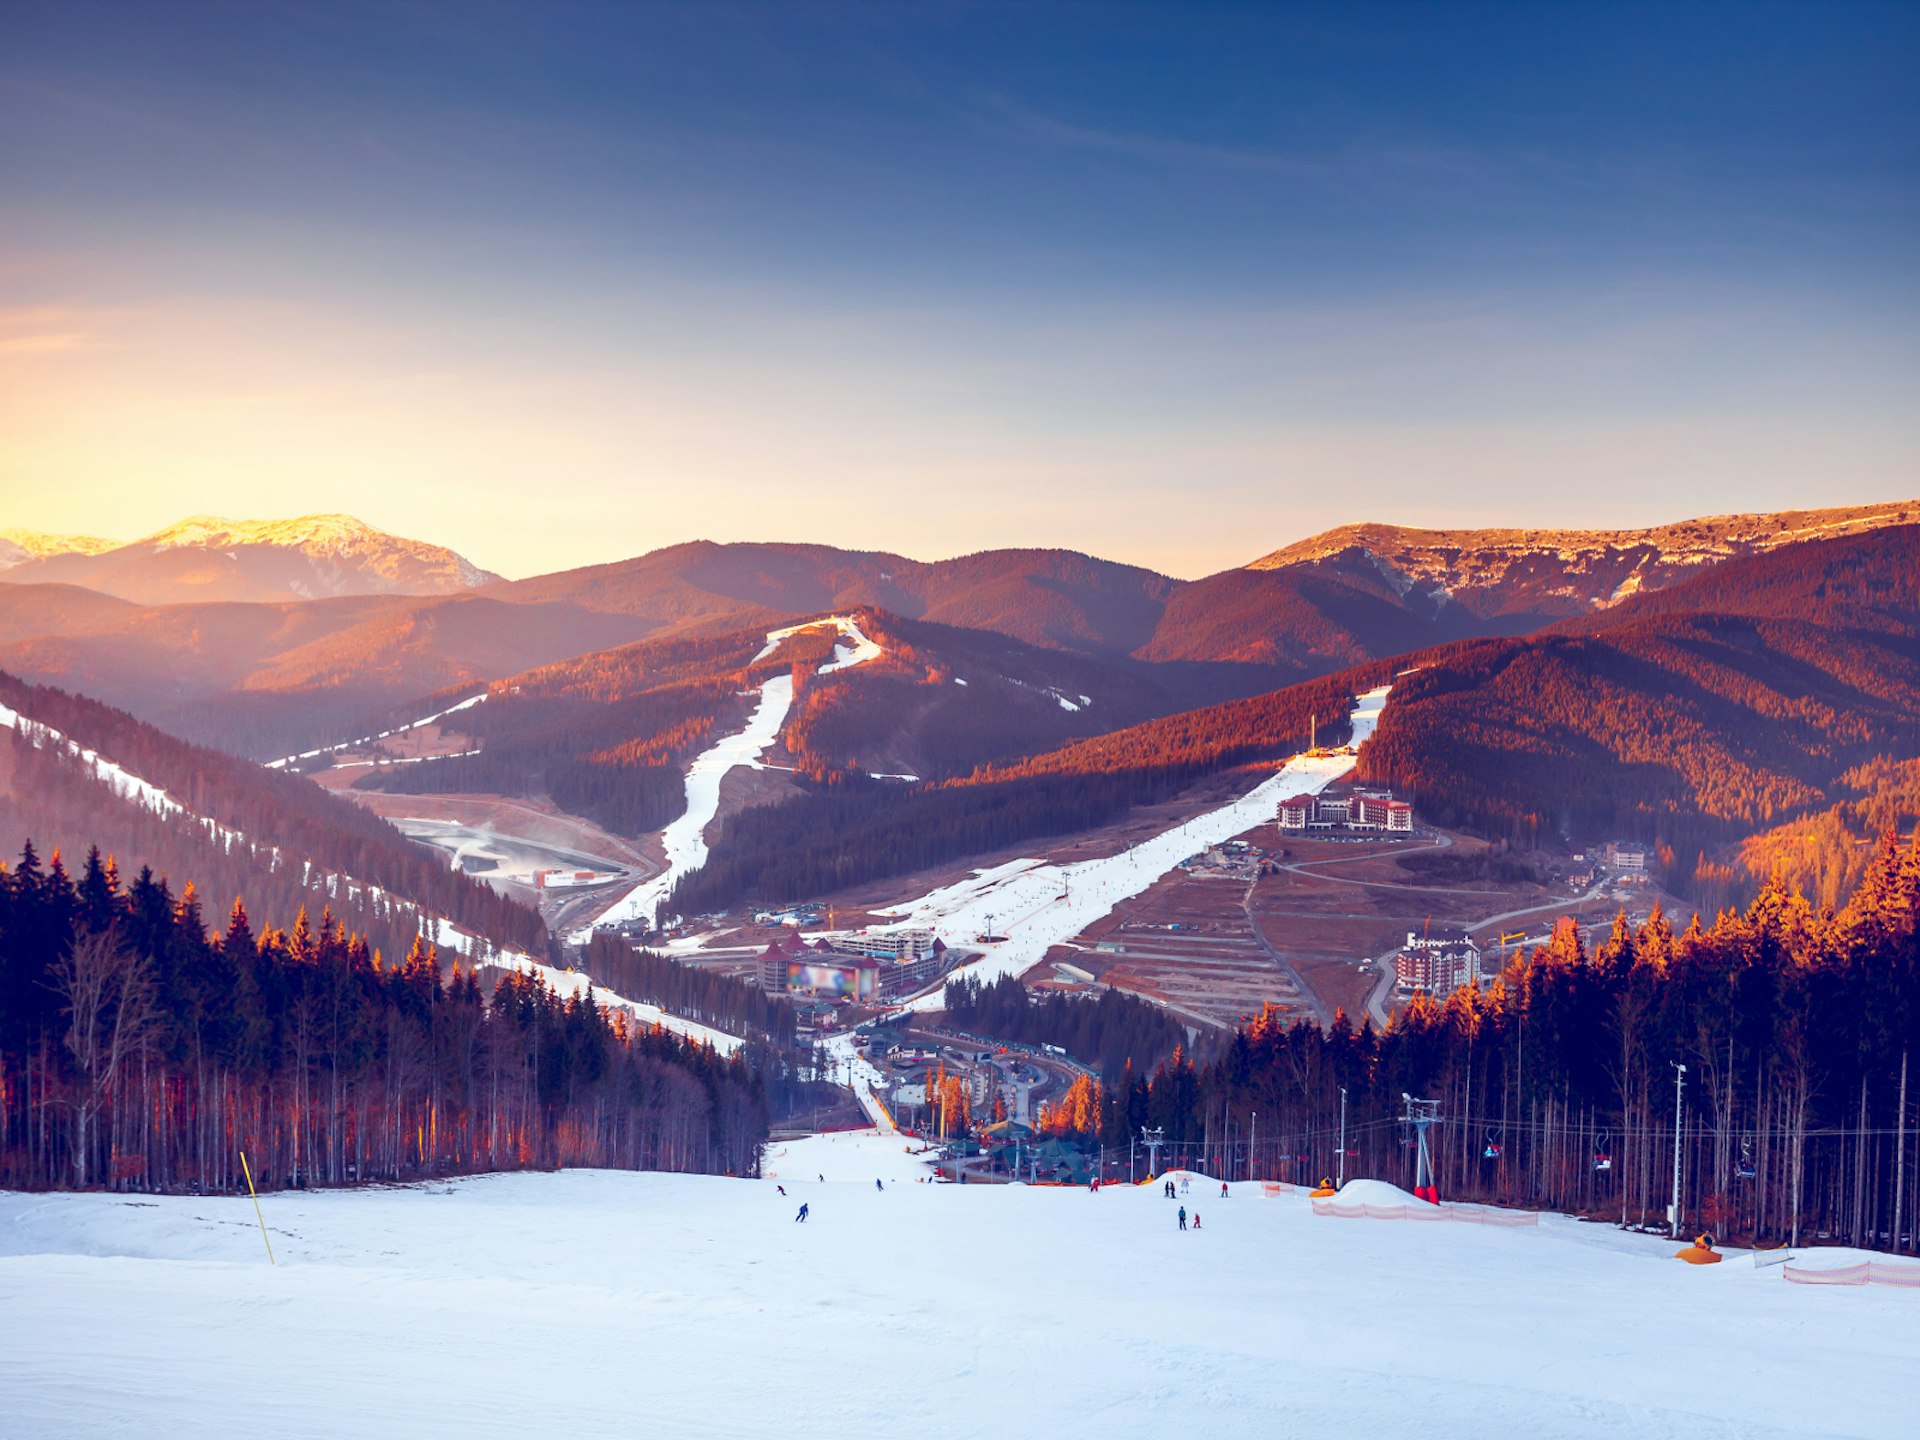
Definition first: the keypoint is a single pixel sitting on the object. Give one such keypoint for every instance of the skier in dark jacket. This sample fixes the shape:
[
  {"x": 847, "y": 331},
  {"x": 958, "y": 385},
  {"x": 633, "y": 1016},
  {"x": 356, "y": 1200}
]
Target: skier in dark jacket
[
  {"x": 801, "y": 1217},
  {"x": 1183, "y": 1217},
  {"x": 878, "y": 1186}
]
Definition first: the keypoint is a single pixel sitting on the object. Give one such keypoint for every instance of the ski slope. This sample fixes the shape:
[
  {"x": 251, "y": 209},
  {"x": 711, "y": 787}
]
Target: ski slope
[
  {"x": 685, "y": 839},
  {"x": 596, "y": 1303},
  {"x": 1033, "y": 906}
]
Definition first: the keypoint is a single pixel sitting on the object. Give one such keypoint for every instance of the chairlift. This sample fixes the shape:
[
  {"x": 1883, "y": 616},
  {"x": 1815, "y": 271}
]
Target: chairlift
[
  {"x": 1603, "y": 1154},
  {"x": 1743, "y": 1168},
  {"x": 1492, "y": 1152}
]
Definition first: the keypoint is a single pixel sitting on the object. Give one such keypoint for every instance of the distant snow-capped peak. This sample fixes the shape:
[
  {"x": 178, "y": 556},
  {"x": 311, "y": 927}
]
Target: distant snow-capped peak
[
  {"x": 340, "y": 539},
  {"x": 19, "y": 546}
]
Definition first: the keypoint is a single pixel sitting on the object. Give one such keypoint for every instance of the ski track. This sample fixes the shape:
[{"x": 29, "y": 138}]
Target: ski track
[
  {"x": 685, "y": 839},
  {"x": 1035, "y": 905}
]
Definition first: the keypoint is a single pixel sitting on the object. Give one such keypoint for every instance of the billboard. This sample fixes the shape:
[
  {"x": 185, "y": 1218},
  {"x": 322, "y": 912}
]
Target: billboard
[{"x": 832, "y": 982}]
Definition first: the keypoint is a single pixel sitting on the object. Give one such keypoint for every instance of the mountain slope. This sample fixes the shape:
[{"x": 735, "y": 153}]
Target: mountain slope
[
  {"x": 310, "y": 557},
  {"x": 1723, "y": 705},
  {"x": 74, "y": 772}
]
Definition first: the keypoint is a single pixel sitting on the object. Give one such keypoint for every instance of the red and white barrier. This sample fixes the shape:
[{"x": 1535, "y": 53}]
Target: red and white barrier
[
  {"x": 1455, "y": 1214},
  {"x": 1867, "y": 1272}
]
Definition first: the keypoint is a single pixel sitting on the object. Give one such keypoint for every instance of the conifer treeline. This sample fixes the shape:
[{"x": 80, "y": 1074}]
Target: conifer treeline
[
  {"x": 1112, "y": 1033},
  {"x": 1800, "y": 1031},
  {"x": 137, "y": 1051},
  {"x": 739, "y": 1007}
]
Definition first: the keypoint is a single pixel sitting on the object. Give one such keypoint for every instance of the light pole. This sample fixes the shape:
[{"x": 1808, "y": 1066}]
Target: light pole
[
  {"x": 1253, "y": 1141},
  {"x": 1343, "y": 1135},
  {"x": 1679, "y": 1089}
]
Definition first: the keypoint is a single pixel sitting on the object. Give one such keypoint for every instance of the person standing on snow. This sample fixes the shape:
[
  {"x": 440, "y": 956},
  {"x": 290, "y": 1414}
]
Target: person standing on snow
[
  {"x": 1183, "y": 1217},
  {"x": 781, "y": 1188},
  {"x": 1196, "y": 1219},
  {"x": 802, "y": 1216},
  {"x": 1223, "y": 1189},
  {"x": 878, "y": 1186}
]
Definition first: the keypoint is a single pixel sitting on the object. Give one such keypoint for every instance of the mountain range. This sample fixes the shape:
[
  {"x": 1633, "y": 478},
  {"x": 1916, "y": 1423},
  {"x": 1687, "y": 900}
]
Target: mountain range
[
  {"x": 1694, "y": 683},
  {"x": 305, "y": 626}
]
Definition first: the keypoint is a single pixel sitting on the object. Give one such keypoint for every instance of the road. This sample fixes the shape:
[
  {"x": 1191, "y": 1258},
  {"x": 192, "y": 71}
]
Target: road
[
  {"x": 1377, "y": 997},
  {"x": 1306, "y": 992}
]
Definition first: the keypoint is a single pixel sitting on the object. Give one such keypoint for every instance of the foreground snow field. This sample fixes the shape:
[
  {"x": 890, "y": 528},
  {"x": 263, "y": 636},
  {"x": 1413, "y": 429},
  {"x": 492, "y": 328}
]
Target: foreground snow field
[{"x": 604, "y": 1303}]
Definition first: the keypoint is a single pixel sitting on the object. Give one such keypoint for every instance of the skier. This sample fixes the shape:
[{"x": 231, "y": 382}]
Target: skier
[
  {"x": 800, "y": 1219},
  {"x": 1196, "y": 1219},
  {"x": 781, "y": 1188},
  {"x": 1223, "y": 1189},
  {"x": 878, "y": 1186},
  {"x": 1184, "y": 1182},
  {"x": 1183, "y": 1217}
]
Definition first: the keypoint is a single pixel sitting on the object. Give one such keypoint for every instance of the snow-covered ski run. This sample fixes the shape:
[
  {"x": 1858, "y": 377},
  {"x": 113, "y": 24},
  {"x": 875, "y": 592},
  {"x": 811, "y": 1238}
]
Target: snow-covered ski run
[
  {"x": 682, "y": 1305},
  {"x": 1033, "y": 906},
  {"x": 685, "y": 839}
]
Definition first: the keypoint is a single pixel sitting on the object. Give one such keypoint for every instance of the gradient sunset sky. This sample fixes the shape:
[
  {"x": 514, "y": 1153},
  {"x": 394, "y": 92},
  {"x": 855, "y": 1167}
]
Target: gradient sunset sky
[{"x": 1172, "y": 284}]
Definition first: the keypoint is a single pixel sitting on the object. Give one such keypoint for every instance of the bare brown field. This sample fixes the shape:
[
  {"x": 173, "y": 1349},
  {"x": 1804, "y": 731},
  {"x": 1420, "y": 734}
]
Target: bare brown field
[{"x": 1187, "y": 943}]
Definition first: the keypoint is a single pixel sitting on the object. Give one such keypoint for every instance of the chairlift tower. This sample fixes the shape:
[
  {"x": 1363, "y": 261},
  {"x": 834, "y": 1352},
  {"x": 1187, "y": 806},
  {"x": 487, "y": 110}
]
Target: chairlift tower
[
  {"x": 1153, "y": 1139},
  {"x": 1421, "y": 1114}
]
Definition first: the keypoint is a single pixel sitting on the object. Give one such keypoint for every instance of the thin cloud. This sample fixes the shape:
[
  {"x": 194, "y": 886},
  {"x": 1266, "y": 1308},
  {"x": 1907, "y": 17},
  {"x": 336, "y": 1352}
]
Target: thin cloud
[{"x": 46, "y": 332}]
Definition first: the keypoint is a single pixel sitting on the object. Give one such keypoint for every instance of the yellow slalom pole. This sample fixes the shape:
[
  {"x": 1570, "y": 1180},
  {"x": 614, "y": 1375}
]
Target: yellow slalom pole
[{"x": 247, "y": 1170}]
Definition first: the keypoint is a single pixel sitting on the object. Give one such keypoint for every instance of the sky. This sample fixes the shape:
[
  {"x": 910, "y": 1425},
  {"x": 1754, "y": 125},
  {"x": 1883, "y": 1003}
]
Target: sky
[{"x": 1170, "y": 284}]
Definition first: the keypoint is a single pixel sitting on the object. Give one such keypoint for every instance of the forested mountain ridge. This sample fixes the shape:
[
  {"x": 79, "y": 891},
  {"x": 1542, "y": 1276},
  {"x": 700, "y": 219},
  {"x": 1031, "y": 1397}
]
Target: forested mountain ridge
[
  {"x": 1722, "y": 706},
  {"x": 285, "y": 840}
]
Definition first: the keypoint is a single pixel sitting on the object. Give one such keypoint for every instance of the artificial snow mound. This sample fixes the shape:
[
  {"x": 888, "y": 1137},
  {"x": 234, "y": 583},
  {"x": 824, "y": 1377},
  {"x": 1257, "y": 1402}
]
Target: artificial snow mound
[{"x": 1375, "y": 1192}]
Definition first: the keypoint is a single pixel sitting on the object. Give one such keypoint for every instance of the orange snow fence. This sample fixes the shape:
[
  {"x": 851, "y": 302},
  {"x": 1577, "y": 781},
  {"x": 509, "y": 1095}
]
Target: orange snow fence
[
  {"x": 1457, "y": 1214},
  {"x": 1271, "y": 1188},
  {"x": 1867, "y": 1272}
]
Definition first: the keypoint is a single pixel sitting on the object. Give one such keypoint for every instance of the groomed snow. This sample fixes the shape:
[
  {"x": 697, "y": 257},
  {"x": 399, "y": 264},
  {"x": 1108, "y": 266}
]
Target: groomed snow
[
  {"x": 1034, "y": 906},
  {"x": 685, "y": 839},
  {"x": 596, "y": 1303}
]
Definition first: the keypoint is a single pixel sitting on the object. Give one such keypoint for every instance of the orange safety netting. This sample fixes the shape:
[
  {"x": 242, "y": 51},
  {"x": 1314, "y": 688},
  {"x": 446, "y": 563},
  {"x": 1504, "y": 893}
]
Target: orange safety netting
[
  {"x": 1867, "y": 1272},
  {"x": 1458, "y": 1214},
  {"x": 1270, "y": 1188}
]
